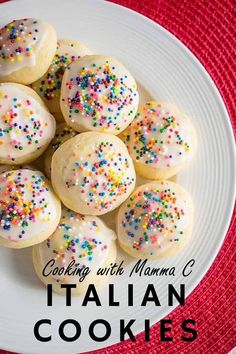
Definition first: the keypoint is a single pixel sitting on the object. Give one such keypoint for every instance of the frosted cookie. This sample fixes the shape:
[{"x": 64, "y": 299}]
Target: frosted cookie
[
  {"x": 63, "y": 133},
  {"x": 29, "y": 209},
  {"x": 27, "y": 47},
  {"x": 160, "y": 140},
  {"x": 155, "y": 221},
  {"x": 98, "y": 93},
  {"x": 49, "y": 85},
  {"x": 26, "y": 126},
  {"x": 92, "y": 173},
  {"x": 79, "y": 242}
]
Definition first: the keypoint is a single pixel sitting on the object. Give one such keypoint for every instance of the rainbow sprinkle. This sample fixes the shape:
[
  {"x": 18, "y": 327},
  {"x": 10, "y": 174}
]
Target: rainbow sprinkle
[
  {"x": 98, "y": 93},
  {"x": 101, "y": 177},
  {"x": 78, "y": 245},
  {"x": 23, "y": 201},
  {"x": 156, "y": 137},
  {"x": 151, "y": 216},
  {"x": 17, "y": 41},
  {"x": 49, "y": 85},
  {"x": 20, "y": 124}
]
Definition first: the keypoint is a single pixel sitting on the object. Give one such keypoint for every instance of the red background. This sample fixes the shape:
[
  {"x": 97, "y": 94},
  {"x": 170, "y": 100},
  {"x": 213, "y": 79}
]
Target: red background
[{"x": 208, "y": 29}]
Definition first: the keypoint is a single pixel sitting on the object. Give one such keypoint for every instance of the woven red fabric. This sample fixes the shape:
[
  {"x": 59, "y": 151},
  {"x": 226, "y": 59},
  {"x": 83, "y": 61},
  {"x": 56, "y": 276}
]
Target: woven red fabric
[{"x": 208, "y": 29}]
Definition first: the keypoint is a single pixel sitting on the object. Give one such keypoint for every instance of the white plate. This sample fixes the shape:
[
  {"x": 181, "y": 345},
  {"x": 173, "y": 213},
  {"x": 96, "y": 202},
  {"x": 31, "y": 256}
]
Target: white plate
[{"x": 170, "y": 72}]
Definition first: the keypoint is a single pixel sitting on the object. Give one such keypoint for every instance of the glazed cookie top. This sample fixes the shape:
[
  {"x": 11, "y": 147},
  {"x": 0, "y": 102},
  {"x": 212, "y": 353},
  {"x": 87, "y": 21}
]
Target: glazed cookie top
[
  {"x": 160, "y": 136},
  {"x": 98, "y": 93},
  {"x": 19, "y": 42},
  {"x": 83, "y": 239},
  {"x": 27, "y": 204},
  {"x": 94, "y": 169},
  {"x": 49, "y": 85},
  {"x": 25, "y": 124},
  {"x": 155, "y": 217}
]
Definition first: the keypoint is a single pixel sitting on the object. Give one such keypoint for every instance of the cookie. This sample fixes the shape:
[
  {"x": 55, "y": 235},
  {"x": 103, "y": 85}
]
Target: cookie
[
  {"x": 79, "y": 243},
  {"x": 98, "y": 93},
  {"x": 29, "y": 209},
  {"x": 155, "y": 221},
  {"x": 26, "y": 126},
  {"x": 27, "y": 47},
  {"x": 92, "y": 173},
  {"x": 161, "y": 140}
]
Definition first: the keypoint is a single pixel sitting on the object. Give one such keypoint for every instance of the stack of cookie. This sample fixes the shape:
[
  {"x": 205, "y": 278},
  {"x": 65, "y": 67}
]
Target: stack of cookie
[{"x": 78, "y": 121}]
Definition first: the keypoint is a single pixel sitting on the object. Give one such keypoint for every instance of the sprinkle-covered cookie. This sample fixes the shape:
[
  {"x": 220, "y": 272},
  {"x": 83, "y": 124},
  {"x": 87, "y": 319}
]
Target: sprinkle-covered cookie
[
  {"x": 98, "y": 93},
  {"x": 160, "y": 140},
  {"x": 156, "y": 220},
  {"x": 27, "y": 47},
  {"x": 26, "y": 126},
  {"x": 83, "y": 243},
  {"x": 93, "y": 173},
  {"x": 29, "y": 209}
]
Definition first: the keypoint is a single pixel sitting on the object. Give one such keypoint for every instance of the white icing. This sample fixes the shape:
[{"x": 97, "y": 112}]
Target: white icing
[
  {"x": 96, "y": 169},
  {"x": 98, "y": 93},
  {"x": 160, "y": 136},
  {"x": 155, "y": 218},
  {"x": 71, "y": 48},
  {"x": 20, "y": 40},
  {"x": 85, "y": 239},
  {"x": 25, "y": 125},
  {"x": 27, "y": 204}
]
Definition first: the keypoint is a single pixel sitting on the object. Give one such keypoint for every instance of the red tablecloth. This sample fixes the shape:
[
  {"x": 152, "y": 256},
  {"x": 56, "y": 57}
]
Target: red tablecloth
[{"x": 208, "y": 29}]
